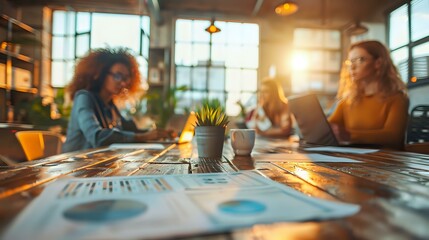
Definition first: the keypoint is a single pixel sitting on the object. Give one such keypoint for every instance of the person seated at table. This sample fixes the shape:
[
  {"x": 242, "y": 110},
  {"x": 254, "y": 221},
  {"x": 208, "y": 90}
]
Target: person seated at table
[
  {"x": 100, "y": 77},
  {"x": 373, "y": 103},
  {"x": 271, "y": 118}
]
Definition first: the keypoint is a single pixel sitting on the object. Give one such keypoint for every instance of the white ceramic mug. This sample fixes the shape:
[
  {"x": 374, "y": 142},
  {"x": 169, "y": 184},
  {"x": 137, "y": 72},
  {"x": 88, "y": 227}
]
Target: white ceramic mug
[{"x": 242, "y": 141}]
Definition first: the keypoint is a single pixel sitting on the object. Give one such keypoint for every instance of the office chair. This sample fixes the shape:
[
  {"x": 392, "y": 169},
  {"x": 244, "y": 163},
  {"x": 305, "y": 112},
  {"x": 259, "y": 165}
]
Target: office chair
[
  {"x": 39, "y": 144},
  {"x": 417, "y": 139}
]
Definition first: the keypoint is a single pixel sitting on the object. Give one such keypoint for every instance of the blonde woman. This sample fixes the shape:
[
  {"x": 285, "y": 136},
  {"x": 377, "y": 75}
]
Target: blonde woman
[
  {"x": 373, "y": 106},
  {"x": 272, "y": 117}
]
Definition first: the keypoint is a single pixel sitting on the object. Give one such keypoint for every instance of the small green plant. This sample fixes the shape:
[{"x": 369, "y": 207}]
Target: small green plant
[{"x": 211, "y": 116}]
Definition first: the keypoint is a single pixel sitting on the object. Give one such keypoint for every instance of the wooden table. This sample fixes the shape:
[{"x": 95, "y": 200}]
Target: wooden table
[{"x": 391, "y": 187}]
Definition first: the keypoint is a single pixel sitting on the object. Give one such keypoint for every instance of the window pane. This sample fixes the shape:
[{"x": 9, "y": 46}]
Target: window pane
[
  {"x": 400, "y": 59},
  {"x": 249, "y": 57},
  {"x": 299, "y": 81},
  {"x": 200, "y": 54},
  {"x": 198, "y": 32},
  {"x": 146, "y": 25},
  {"x": 70, "y": 23},
  {"x": 332, "y": 39},
  {"x": 83, "y": 22},
  {"x": 145, "y": 46},
  {"x": 185, "y": 101},
  {"x": 233, "y": 56},
  {"x": 218, "y": 54},
  {"x": 58, "y": 47},
  {"x": 82, "y": 45},
  {"x": 197, "y": 97},
  {"x": 233, "y": 32},
  {"x": 421, "y": 61},
  {"x": 233, "y": 80},
  {"x": 117, "y": 35},
  {"x": 183, "y": 30},
  {"x": 232, "y": 108},
  {"x": 250, "y": 34},
  {"x": 419, "y": 19},
  {"x": 316, "y": 81},
  {"x": 307, "y": 38},
  {"x": 199, "y": 78},
  {"x": 333, "y": 60},
  {"x": 398, "y": 27},
  {"x": 220, "y": 37},
  {"x": 249, "y": 80},
  {"x": 58, "y": 74},
  {"x": 316, "y": 60},
  {"x": 217, "y": 79},
  {"x": 59, "y": 23},
  {"x": 183, "y": 76},
  {"x": 219, "y": 96},
  {"x": 183, "y": 54},
  {"x": 69, "y": 48}
]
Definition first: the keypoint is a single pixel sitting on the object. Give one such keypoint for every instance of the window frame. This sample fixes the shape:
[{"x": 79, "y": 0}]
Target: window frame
[
  {"x": 65, "y": 60},
  {"x": 410, "y": 45},
  {"x": 195, "y": 90}
]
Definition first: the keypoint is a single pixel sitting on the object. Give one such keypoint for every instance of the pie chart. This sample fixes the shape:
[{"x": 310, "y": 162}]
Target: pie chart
[
  {"x": 105, "y": 210},
  {"x": 241, "y": 207}
]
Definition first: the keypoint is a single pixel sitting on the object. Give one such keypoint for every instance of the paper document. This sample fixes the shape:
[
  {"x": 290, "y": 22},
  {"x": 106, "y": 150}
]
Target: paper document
[
  {"x": 342, "y": 150},
  {"x": 137, "y": 146},
  {"x": 300, "y": 157},
  {"x": 165, "y": 206}
]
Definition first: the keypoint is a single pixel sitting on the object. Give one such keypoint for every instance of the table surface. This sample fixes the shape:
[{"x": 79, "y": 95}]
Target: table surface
[{"x": 391, "y": 187}]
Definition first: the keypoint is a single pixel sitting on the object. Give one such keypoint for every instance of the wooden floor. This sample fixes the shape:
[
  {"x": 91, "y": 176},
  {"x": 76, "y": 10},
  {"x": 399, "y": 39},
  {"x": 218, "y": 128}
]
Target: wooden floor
[{"x": 392, "y": 188}]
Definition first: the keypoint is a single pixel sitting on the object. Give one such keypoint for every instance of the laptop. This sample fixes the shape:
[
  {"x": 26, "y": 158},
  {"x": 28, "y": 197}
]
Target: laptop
[
  {"x": 311, "y": 120},
  {"x": 183, "y": 125}
]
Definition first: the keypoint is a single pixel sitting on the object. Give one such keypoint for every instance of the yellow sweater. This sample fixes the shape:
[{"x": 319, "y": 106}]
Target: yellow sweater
[{"x": 374, "y": 120}]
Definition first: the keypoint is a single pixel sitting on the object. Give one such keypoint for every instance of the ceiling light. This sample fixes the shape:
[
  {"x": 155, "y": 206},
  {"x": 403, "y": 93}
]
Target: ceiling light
[
  {"x": 356, "y": 29},
  {"x": 212, "y": 28},
  {"x": 286, "y": 8}
]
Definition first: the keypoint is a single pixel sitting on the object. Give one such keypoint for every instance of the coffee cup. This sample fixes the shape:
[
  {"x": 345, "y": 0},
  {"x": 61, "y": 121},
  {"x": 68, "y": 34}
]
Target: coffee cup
[{"x": 242, "y": 141}]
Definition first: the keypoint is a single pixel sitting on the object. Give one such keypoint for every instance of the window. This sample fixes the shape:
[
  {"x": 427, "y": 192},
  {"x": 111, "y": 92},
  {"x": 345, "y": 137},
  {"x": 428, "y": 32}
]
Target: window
[
  {"x": 223, "y": 65},
  {"x": 409, "y": 41},
  {"x": 316, "y": 60},
  {"x": 75, "y": 33}
]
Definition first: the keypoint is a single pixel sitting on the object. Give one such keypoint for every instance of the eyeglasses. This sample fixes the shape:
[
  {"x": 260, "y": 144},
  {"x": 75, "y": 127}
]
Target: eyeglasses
[
  {"x": 118, "y": 77},
  {"x": 355, "y": 61}
]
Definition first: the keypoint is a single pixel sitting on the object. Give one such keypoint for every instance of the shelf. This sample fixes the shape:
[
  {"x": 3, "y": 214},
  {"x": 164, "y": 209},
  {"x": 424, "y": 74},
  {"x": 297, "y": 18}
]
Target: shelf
[
  {"x": 4, "y": 20},
  {"x": 17, "y": 56},
  {"x": 18, "y": 89}
]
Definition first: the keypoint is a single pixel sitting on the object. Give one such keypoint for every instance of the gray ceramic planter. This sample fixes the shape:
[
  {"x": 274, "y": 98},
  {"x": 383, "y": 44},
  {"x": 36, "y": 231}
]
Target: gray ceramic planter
[{"x": 210, "y": 141}]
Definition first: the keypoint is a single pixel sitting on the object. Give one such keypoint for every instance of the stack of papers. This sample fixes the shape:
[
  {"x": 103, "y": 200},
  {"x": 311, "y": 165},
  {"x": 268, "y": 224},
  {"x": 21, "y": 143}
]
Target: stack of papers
[{"x": 147, "y": 207}]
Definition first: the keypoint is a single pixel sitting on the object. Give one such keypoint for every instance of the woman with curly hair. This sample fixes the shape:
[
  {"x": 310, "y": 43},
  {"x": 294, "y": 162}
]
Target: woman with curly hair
[
  {"x": 99, "y": 77},
  {"x": 373, "y": 106},
  {"x": 272, "y": 118}
]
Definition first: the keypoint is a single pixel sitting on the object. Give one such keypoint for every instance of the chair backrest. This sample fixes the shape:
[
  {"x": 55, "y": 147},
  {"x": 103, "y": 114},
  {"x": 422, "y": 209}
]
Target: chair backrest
[
  {"x": 418, "y": 125},
  {"x": 38, "y": 144}
]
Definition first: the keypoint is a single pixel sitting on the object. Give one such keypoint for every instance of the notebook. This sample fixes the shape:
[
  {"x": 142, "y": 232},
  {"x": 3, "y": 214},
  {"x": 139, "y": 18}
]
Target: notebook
[
  {"x": 311, "y": 120},
  {"x": 184, "y": 128}
]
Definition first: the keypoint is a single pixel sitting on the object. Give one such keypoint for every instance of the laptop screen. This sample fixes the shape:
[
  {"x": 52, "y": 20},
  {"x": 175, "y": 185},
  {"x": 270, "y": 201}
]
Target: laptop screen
[{"x": 311, "y": 120}]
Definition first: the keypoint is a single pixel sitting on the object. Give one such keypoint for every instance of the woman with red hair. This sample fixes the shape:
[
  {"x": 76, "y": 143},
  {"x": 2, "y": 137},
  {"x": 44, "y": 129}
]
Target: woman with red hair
[
  {"x": 373, "y": 106},
  {"x": 101, "y": 76}
]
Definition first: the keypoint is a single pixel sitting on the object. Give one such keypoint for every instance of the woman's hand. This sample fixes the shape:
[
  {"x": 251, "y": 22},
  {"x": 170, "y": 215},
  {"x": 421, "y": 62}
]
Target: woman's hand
[
  {"x": 340, "y": 133},
  {"x": 155, "y": 135}
]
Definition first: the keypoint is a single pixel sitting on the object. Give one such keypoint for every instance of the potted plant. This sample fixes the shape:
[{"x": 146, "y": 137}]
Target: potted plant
[{"x": 210, "y": 131}]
